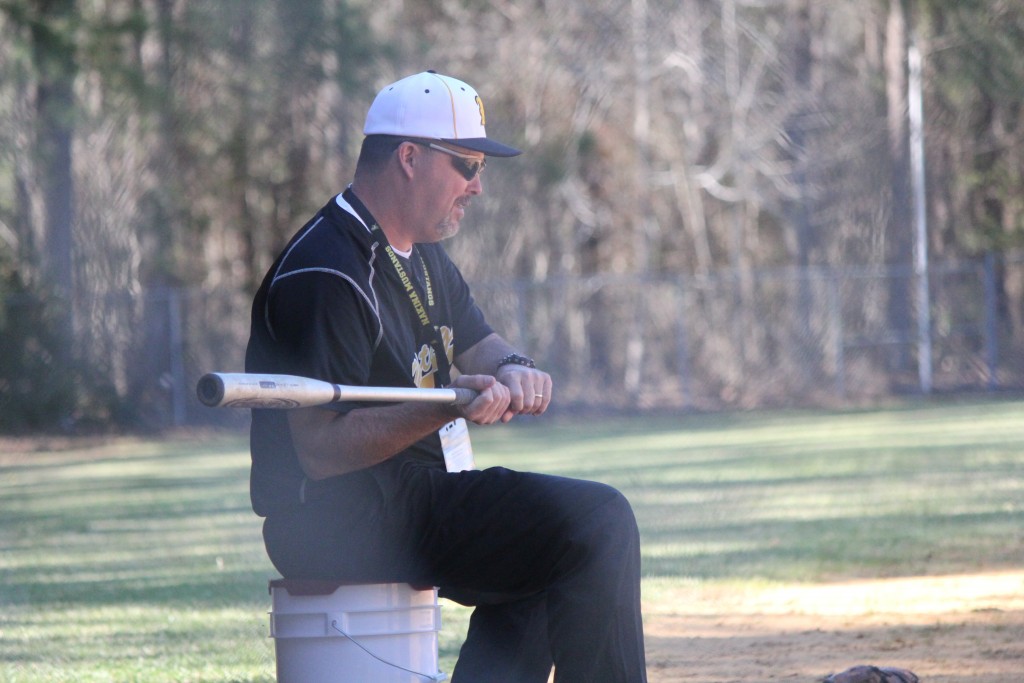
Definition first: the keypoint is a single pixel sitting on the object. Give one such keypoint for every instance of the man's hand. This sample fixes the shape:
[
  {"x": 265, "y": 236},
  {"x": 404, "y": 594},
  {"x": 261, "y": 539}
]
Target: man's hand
[
  {"x": 491, "y": 405},
  {"x": 529, "y": 390}
]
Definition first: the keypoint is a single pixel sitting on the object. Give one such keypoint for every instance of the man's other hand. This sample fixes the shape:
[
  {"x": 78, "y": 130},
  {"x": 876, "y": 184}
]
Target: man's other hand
[{"x": 529, "y": 390}]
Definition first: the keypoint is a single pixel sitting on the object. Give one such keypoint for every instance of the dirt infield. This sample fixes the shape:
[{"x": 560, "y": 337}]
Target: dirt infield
[{"x": 945, "y": 629}]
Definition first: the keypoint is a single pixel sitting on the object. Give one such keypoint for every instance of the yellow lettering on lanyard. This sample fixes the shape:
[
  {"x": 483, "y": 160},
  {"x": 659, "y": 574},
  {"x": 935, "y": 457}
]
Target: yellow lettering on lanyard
[
  {"x": 414, "y": 296},
  {"x": 424, "y": 362}
]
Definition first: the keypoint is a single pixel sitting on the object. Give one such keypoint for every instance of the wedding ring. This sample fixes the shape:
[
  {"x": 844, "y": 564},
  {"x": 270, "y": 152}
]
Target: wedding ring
[{"x": 538, "y": 395}]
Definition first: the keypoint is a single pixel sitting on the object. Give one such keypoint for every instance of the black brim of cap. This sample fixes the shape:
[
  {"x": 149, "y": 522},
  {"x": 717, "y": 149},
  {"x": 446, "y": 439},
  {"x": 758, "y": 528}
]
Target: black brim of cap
[{"x": 485, "y": 145}]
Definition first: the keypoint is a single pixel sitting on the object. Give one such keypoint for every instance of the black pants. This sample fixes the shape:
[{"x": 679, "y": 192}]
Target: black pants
[{"x": 551, "y": 564}]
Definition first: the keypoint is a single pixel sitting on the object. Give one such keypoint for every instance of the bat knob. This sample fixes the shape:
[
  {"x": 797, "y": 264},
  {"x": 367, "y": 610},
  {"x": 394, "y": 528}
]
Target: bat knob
[{"x": 210, "y": 390}]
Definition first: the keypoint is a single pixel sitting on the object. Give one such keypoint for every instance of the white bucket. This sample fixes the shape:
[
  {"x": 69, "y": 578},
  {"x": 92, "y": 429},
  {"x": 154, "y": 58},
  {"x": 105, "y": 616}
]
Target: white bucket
[{"x": 326, "y": 632}]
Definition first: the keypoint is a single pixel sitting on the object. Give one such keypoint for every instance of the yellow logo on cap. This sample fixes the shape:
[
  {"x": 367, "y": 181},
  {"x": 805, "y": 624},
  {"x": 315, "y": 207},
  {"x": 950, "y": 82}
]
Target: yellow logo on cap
[{"x": 480, "y": 106}]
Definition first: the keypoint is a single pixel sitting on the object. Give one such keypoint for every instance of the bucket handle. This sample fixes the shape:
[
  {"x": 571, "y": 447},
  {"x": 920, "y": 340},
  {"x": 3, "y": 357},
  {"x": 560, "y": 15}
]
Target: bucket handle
[{"x": 434, "y": 678}]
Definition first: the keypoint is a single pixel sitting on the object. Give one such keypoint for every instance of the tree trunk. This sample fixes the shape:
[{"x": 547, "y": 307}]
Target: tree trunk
[{"x": 54, "y": 59}]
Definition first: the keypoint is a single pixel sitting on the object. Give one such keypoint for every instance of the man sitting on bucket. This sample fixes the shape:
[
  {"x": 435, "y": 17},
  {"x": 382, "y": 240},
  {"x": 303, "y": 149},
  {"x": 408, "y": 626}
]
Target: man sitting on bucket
[{"x": 364, "y": 294}]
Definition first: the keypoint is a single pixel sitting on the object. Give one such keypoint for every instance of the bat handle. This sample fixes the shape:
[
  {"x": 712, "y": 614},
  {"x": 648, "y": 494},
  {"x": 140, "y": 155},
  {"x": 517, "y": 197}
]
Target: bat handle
[{"x": 463, "y": 396}]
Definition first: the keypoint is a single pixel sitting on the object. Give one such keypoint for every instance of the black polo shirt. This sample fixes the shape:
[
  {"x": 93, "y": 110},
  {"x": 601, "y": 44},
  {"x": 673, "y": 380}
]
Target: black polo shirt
[{"x": 335, "y": 306}]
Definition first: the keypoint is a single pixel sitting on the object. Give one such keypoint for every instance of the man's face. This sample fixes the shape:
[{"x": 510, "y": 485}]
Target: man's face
[{"x": 448, "y": 191}]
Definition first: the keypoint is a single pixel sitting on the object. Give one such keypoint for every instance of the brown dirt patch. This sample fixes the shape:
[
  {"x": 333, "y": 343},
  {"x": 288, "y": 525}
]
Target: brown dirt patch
[{"x": 943, "y": 628}]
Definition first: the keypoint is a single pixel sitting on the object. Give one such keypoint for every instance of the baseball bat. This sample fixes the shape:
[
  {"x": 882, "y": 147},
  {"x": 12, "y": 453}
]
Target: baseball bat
[{"x": 250, "y": 390}]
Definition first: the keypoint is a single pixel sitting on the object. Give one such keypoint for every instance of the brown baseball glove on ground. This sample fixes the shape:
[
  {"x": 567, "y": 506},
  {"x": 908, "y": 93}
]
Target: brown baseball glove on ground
[{"x": 872, "y": 674}]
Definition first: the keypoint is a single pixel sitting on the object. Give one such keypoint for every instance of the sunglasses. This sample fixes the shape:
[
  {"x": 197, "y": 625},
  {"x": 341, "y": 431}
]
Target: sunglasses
[{"x": 467, "y": 166}]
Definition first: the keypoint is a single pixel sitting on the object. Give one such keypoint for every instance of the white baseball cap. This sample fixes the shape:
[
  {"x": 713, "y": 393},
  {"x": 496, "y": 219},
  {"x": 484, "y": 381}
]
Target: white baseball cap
[{"x": 429, "y": 105}]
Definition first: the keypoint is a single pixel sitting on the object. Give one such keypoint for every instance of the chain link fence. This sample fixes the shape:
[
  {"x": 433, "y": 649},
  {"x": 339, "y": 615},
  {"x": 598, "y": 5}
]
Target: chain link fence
[
  {"x": 785, "y": 337},
  {"x": 769, "y": 338}
]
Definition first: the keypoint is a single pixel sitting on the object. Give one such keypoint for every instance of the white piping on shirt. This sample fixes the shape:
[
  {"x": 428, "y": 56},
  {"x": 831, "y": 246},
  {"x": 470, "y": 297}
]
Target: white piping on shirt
[{"x": 371, "y": 300}]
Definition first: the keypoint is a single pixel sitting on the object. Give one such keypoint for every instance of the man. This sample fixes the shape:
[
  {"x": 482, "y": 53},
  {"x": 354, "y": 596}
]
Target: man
[{"x": 365, "y": 295}]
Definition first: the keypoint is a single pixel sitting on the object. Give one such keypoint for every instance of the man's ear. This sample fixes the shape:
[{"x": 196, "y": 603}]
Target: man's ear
[{"x": 408, "y": 155}]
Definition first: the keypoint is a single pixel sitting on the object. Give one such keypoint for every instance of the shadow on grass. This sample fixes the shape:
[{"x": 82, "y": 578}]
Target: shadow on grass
[
  {"x": 791, "y": 497},
  {"x": 174, "y": 527}
]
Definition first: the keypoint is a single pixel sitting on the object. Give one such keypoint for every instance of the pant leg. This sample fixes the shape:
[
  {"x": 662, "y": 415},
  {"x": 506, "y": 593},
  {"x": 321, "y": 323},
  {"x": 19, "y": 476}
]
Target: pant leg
[
  {"x": 599, "y": 591},
  {"x": 574, "y": 541},
  {"x": 506, "y": 643}
]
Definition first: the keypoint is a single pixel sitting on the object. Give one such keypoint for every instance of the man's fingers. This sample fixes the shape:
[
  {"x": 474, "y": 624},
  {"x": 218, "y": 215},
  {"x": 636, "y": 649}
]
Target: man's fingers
[{"x": 491, "y": 403}]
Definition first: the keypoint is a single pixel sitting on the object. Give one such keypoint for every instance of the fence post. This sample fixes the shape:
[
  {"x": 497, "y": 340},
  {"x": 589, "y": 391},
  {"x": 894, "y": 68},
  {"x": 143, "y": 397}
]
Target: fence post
[
  {"x": 177, "y": 362},
  {"x": 522, "y": 290},
  {"x": 836, "y": 317},
  {"x": 991, "y": 322},
  {"x": 682, "y": 343},
  {"x": 633, "y": 373}
]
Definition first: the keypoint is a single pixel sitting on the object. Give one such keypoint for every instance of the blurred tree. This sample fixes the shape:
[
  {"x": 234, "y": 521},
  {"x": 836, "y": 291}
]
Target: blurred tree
[
  {"x": 150, "y": 145},
  {"x": 975, "y": 134},
  {"x": 39, "y": 276}
]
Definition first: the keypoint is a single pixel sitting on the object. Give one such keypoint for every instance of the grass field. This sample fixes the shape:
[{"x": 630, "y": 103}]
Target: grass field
[{"x": 140, "y": 560}]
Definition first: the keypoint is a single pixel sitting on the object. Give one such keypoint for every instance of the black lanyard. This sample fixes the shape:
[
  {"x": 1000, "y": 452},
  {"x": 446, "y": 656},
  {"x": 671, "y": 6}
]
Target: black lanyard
[
  {"x": 429, "y": 333},
  {"x": 410, "y": 288}
]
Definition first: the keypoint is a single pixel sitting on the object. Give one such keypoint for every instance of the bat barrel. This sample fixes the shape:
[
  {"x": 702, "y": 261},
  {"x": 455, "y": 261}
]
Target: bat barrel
[
  {"x": 244, "y": 390},
  {"x": 210, "y": 389}
]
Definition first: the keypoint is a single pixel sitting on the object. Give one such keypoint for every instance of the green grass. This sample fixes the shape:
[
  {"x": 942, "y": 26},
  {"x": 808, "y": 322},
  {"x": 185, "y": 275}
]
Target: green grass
[{"x": 141, "y": 561}]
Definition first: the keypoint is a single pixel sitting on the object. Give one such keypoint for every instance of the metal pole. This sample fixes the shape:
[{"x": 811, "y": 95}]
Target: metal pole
[{"x": 915, "y": 107}]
